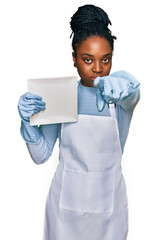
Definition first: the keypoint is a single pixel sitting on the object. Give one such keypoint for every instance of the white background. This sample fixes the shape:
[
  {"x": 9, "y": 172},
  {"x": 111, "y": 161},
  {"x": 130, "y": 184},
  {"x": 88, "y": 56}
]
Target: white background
[{"x": 35, "y": 42}]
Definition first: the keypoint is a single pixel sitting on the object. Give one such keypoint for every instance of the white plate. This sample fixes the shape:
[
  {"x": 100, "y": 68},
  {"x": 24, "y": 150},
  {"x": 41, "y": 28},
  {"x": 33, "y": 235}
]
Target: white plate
[{"x": 60, "y": 96}]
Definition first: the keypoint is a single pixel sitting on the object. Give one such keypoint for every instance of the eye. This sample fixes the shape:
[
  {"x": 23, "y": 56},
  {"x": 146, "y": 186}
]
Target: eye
[
  {"x": 106, "y": 60},
  {"x": 88, "y": 60}
]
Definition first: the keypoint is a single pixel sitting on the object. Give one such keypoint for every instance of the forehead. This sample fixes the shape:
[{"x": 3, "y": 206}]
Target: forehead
[{"x": 94, "y": 45}]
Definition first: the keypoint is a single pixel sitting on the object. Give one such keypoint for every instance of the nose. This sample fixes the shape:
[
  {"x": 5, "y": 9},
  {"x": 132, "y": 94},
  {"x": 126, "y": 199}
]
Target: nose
[{"x": 97, "y": 67}]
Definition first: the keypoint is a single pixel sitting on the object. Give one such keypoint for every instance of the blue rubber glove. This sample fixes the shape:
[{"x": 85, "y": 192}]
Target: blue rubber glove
[
  {"x": 114, "y": 88},
  {"x": 28, "y": 105}
]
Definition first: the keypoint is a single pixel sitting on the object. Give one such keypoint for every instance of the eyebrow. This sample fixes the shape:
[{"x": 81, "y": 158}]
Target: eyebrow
[{"x": 93, "y": 56}]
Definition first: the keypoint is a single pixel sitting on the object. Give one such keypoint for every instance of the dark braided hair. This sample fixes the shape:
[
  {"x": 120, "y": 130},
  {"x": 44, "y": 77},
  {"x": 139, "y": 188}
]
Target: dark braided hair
[{"x": 90, "y": 20}]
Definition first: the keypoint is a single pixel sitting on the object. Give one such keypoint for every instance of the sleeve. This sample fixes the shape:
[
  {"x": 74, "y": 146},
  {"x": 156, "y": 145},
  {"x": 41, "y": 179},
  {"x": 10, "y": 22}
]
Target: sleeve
[
  {"x": 41, "y": 151},
  {"x": 132, "y": 94}
]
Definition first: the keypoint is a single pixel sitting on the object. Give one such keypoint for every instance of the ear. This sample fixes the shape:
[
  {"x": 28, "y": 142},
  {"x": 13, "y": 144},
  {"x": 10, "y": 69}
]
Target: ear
[{"x": 74, "y": 57}]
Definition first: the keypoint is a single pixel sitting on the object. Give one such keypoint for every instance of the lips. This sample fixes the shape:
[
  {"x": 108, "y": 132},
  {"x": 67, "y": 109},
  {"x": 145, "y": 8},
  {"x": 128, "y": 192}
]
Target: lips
[{"x": 93, "y": 78}]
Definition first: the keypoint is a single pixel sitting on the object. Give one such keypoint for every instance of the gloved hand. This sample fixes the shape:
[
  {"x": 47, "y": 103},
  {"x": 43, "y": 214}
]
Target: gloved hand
[
  {"x": 114, "y": 87},
  {"x": 29, "y": 104}
]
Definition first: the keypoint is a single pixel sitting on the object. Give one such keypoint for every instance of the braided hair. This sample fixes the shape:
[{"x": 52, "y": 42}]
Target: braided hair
[{"x": 87, "y": 21}]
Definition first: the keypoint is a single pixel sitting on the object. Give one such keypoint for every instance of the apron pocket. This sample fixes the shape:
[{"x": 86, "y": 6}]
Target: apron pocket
[{"x": 91, "y": 192}]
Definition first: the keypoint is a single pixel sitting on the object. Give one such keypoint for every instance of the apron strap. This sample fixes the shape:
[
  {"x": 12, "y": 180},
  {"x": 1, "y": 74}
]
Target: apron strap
[{"x": 112, "y": 109}]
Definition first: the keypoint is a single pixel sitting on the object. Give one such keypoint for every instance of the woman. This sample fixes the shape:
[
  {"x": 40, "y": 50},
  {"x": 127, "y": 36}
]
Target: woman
[{"x": 87, "y": 197}]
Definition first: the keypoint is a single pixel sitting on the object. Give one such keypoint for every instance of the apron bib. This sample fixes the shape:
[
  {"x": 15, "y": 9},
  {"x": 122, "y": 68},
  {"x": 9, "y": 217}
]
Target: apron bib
[{"x": 90, "y": 153}]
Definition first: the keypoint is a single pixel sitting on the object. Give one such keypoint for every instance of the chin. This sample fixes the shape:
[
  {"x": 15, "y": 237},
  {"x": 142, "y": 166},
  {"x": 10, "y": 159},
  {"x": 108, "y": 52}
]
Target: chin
[{"x": 88, "y": 83}]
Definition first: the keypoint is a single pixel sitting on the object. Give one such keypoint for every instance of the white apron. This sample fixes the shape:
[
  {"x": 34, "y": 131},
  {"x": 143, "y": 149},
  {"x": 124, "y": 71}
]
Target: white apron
[{"x": 87, "y": 198}]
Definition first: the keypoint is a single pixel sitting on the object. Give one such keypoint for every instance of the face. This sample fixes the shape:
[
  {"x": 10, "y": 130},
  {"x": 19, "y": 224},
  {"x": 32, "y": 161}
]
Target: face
[{"x": 93, "y": 59}]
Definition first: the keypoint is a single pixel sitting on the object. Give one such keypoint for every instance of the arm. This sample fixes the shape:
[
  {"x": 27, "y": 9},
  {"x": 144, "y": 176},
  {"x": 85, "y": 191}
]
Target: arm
[
  {"x": 120, "y": 87},
  {"x": 41, "y": 151},
  {"x": 133, "y": 92},
  {"x": 39, "y": 140},
  {"x": 131, "y": 101}
]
